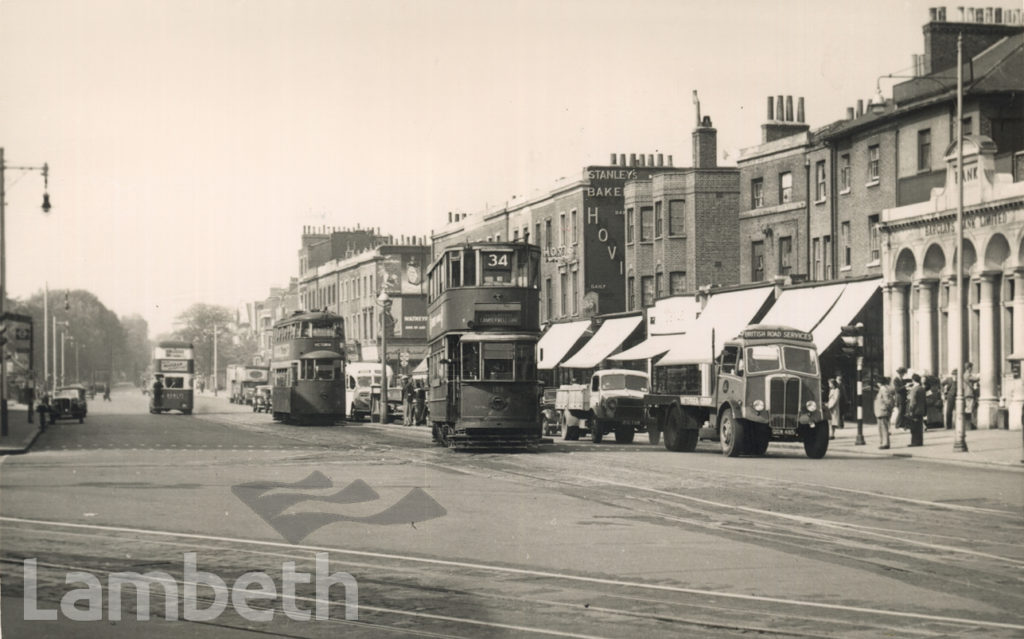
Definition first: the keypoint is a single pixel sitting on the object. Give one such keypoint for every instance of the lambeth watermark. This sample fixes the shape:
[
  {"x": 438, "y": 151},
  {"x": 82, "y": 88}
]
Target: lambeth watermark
[{"x": 87, "y": 603}]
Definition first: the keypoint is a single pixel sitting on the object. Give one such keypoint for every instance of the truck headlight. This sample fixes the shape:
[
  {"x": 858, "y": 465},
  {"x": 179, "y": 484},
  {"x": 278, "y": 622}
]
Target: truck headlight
[
  {"x": 758, "y": 405},
  {"x": 811, "y": 406},
  {"x": 610, "y": 403}
]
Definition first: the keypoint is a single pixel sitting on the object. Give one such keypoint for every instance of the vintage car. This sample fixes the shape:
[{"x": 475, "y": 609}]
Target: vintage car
[
  {"x": 69, "y": 403},
  {"x": 261, "y": 399}
]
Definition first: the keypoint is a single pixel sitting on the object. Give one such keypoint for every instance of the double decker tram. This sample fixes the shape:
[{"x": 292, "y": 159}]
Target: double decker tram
[
  {"x": 483, "y": 329},
  {"x": 308, "y": 368}
]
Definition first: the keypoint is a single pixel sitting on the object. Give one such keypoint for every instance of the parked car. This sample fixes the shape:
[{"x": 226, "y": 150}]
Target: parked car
[{"x": 69, "y": 403}]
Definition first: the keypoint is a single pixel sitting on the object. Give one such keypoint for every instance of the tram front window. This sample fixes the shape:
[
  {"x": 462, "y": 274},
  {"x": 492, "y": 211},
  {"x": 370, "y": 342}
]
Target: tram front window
[
  {"x": 324, "y": 329},
  {"x": 499, "y": 360},
  {"x": 174, "y": 382},
  {"x": 319, "y": 369}
]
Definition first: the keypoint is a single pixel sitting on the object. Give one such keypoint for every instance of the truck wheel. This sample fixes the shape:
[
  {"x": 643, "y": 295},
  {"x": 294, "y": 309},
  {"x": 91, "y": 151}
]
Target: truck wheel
[
  {"x": 732, "y": 433},
  {"x": 572, "y": 433},
  {"x": 673, "y": 430},
  {"x": 596, "y": 430},
  {"x": 624, "y": 434},
  {"x": 816, "y": 441},
  {"x": 759, "y": 438}
]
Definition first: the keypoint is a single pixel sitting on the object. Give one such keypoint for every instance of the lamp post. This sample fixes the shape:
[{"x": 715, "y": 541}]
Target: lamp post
[
  {"x": 384, "y": 300},
  {"x": 878, "y": 107},
  {"x": 3, "y": 272}
]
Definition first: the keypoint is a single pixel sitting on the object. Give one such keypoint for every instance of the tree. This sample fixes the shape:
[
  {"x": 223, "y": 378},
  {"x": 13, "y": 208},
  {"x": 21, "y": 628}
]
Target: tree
[{"x": 197, "y": 324}]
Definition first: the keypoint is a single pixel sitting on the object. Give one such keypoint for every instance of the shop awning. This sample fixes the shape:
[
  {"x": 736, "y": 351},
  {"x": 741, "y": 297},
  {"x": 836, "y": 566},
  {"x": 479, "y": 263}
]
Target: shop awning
[
  {"x": 725, "y": 315},
  {"x": 803, "y": 308},
  {"x": 421, "y": 368},
  {"x": 651, "y": 347},
  {"x": 611, "y": 335},
  {"x": 855, "y": 296},
  {"x": 555, "y": 343}
]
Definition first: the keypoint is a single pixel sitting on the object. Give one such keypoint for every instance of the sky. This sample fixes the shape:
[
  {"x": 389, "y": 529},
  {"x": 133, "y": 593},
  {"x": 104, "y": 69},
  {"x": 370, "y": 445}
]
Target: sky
[{"x": 189, "y": 141}]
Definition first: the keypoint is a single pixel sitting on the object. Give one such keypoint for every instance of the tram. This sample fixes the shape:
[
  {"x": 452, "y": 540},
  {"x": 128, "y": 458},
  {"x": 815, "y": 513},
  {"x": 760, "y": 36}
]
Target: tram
[
  {"x": 483, "y": 327},
  {"x": 174, "y": 365},
  {"x": 308, "y": 368}
]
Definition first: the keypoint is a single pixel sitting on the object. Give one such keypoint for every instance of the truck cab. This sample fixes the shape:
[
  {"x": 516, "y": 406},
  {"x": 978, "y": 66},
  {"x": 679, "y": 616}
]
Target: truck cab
[
  {"x": 612, "y": 402},
  {"x": 764, "y": 385}
]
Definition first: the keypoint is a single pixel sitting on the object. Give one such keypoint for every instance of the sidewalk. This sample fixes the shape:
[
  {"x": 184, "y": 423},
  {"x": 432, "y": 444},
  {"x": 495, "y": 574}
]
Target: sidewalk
[
  {"x": 1003, "y": 448},
  {"x": 20, "y": 433}
]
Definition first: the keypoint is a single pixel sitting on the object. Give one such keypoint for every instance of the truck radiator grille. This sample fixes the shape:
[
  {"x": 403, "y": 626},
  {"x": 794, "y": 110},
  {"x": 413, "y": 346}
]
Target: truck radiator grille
[{"x": 784, "y": 398}]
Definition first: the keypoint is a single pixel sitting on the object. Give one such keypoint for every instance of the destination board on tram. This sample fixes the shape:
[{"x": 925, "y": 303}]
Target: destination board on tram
[{"x": 175, "y": 365}]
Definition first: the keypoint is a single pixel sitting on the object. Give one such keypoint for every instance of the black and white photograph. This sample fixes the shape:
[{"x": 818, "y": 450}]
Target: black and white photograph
[{"x": 514, "y": 318}]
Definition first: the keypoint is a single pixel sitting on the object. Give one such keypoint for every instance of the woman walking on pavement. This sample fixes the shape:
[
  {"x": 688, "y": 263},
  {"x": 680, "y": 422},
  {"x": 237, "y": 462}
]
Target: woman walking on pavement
[{"x": 833, "y": 408}]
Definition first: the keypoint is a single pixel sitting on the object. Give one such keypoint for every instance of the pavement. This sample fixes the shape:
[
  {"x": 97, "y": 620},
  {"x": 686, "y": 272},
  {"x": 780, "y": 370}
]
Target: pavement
[
  {"x": 991, "y": 447},
  {"x": 20, "y": 434}
]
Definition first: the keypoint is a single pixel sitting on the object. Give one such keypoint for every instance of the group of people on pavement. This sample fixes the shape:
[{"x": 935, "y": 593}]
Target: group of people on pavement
[
  {"x": 906, "y": 400},
  {"x": 414, "y": 402}
]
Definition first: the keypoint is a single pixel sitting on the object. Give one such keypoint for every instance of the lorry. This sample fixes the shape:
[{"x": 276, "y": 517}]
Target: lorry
[
  {"x": 612, "y": 402},
  {"x": 361, "y": 379},
  {"x": 764, "y": 386},
  {"x": 243, "y": 380}
]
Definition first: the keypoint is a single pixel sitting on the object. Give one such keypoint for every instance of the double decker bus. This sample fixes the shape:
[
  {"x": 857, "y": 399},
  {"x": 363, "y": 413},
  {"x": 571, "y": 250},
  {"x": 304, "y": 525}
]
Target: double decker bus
[
  {"x": 174, "y": 366},
  {"x": 308, "y": 368},
  {"x": 483, "y": 328}
]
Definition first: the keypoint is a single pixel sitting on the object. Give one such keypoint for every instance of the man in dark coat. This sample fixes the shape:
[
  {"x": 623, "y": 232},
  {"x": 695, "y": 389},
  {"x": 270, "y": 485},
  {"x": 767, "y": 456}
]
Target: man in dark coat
[
  {"x": 158, "y": 393},
  {"x": 917, "y": 409}
]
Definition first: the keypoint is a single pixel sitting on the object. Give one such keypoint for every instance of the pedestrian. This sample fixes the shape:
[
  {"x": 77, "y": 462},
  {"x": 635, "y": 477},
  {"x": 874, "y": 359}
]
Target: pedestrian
[
  {"x": 43, "y": 409},
  {"x": 158, "y": 393},
  {"x": 949, "y": 398},
  {"x": 408, "y": 397},
  {"x": 899, "y": 387},
  {"x": 917, "y": 410},
  {"x": 106, "y": 392},
  {"x": 970, "y": 382},
  {"x": 843, "y": 400},
  {"x": 833, "y": 407},
  {"x": 933, "y": 401},
  {"x": 884, "y": 403},
  {"x": 420, "y": 416}
]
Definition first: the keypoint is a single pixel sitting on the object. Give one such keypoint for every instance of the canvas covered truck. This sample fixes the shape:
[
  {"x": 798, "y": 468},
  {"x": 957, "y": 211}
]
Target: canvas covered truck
[
  {"x": 612, "y": 402},
  {"x": 764, "y": 385},
  {"x": 243, "y": 380}
]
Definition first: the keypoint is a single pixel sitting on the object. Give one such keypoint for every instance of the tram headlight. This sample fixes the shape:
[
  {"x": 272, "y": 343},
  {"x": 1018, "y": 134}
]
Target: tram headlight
[
  {"x": 811, "y": 406},
  {"x": 758, "y": 405}
]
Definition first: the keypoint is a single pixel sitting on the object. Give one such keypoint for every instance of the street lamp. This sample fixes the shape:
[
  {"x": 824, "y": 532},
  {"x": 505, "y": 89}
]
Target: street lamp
[
  {"x": 878, "y": 107},
  {"x": 384, "y": 301},
  {"x": 3, "y": 272}
]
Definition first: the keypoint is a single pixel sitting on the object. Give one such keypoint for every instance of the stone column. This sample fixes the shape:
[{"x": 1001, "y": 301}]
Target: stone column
[
  {"x": 988, "y": 349},
  {"x": 927, "y": 359},
  {"x": 887, "y": 367},
  {"x": 954, "y": 337},
  {"x": 1016, "y": 391},
  {"x": 898, "y": 326}
]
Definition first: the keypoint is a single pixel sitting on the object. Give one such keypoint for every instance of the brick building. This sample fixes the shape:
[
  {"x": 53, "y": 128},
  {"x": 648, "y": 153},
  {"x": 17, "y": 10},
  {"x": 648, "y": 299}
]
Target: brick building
[
  {"x": 681, "y": 226},
  {"x": 263, "y": 314},
  {"x": 578, "y": 225},
  {"x": 350, "y": 287}
]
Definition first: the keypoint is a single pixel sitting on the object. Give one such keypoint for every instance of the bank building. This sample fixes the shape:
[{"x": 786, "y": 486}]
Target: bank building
[{"x": 920, "y": 294}]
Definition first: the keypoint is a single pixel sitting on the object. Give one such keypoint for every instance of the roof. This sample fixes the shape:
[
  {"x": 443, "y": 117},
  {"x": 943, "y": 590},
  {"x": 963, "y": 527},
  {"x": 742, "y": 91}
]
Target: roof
[
  {"x": 557, "y": 341},
  {"x": 610, "y": 336}
]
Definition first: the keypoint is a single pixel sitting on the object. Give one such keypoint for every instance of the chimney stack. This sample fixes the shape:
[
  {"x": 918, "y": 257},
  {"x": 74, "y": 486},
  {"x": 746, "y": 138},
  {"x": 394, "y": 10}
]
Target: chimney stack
[
  {"x": 783, "y": 124},
  {"x": 705, "y": 145}
]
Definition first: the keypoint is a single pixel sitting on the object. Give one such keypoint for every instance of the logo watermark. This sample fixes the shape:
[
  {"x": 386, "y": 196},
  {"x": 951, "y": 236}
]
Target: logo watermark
[{"x": 87, "y": 603}]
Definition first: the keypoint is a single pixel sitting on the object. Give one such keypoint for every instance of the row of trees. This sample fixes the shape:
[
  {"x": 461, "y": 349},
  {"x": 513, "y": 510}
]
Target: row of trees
[{"x": 107, "y": 348}]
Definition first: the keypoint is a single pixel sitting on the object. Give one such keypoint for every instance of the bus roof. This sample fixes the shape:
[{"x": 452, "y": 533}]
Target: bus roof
[{"x": 174, "y": 344}]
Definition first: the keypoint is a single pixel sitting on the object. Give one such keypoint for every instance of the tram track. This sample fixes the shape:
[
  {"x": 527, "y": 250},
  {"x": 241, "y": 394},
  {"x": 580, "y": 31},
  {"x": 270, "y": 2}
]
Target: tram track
[{"x": 437, "y": 585}]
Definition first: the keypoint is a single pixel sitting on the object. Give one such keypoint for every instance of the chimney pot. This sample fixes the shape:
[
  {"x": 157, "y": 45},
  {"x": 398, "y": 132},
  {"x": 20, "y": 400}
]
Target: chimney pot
[
  {"x": 640, "y": 159},
  {"x": 650, "y": 159},
  {"x": 614, "y": 157},
  {"x": 789, "y": 108},
  {"x": 670, "y": 160},
  {"x": 800, "y": 110},
  {"x": 661, "y": 159},
  {"x": 860, "y": 108},
  {"x": 780, "y": 108},
  {"x": 771, "y": 108},
  {"x": 632, "y": 159},
  {"x": 622, "y": 159},
  {"x": 849, "y": 113}
]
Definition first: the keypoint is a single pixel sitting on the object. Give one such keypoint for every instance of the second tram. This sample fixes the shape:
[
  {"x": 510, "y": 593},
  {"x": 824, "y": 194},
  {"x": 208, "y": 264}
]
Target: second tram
[
  {"x": 308, "y": 368},
  {"x": 483, "y": 330}
]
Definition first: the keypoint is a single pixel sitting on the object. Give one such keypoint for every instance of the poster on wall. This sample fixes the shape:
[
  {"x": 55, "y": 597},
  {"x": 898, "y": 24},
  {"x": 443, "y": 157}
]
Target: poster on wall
[
  {"x": 412, "y": 274},
  {"x": 389, "y": 274},
  {"x": 414, "y": 317}
]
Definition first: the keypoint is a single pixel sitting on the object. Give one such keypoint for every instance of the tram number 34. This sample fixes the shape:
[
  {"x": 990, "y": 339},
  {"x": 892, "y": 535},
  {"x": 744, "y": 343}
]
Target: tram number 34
[{"x": 497, "y": 259}]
